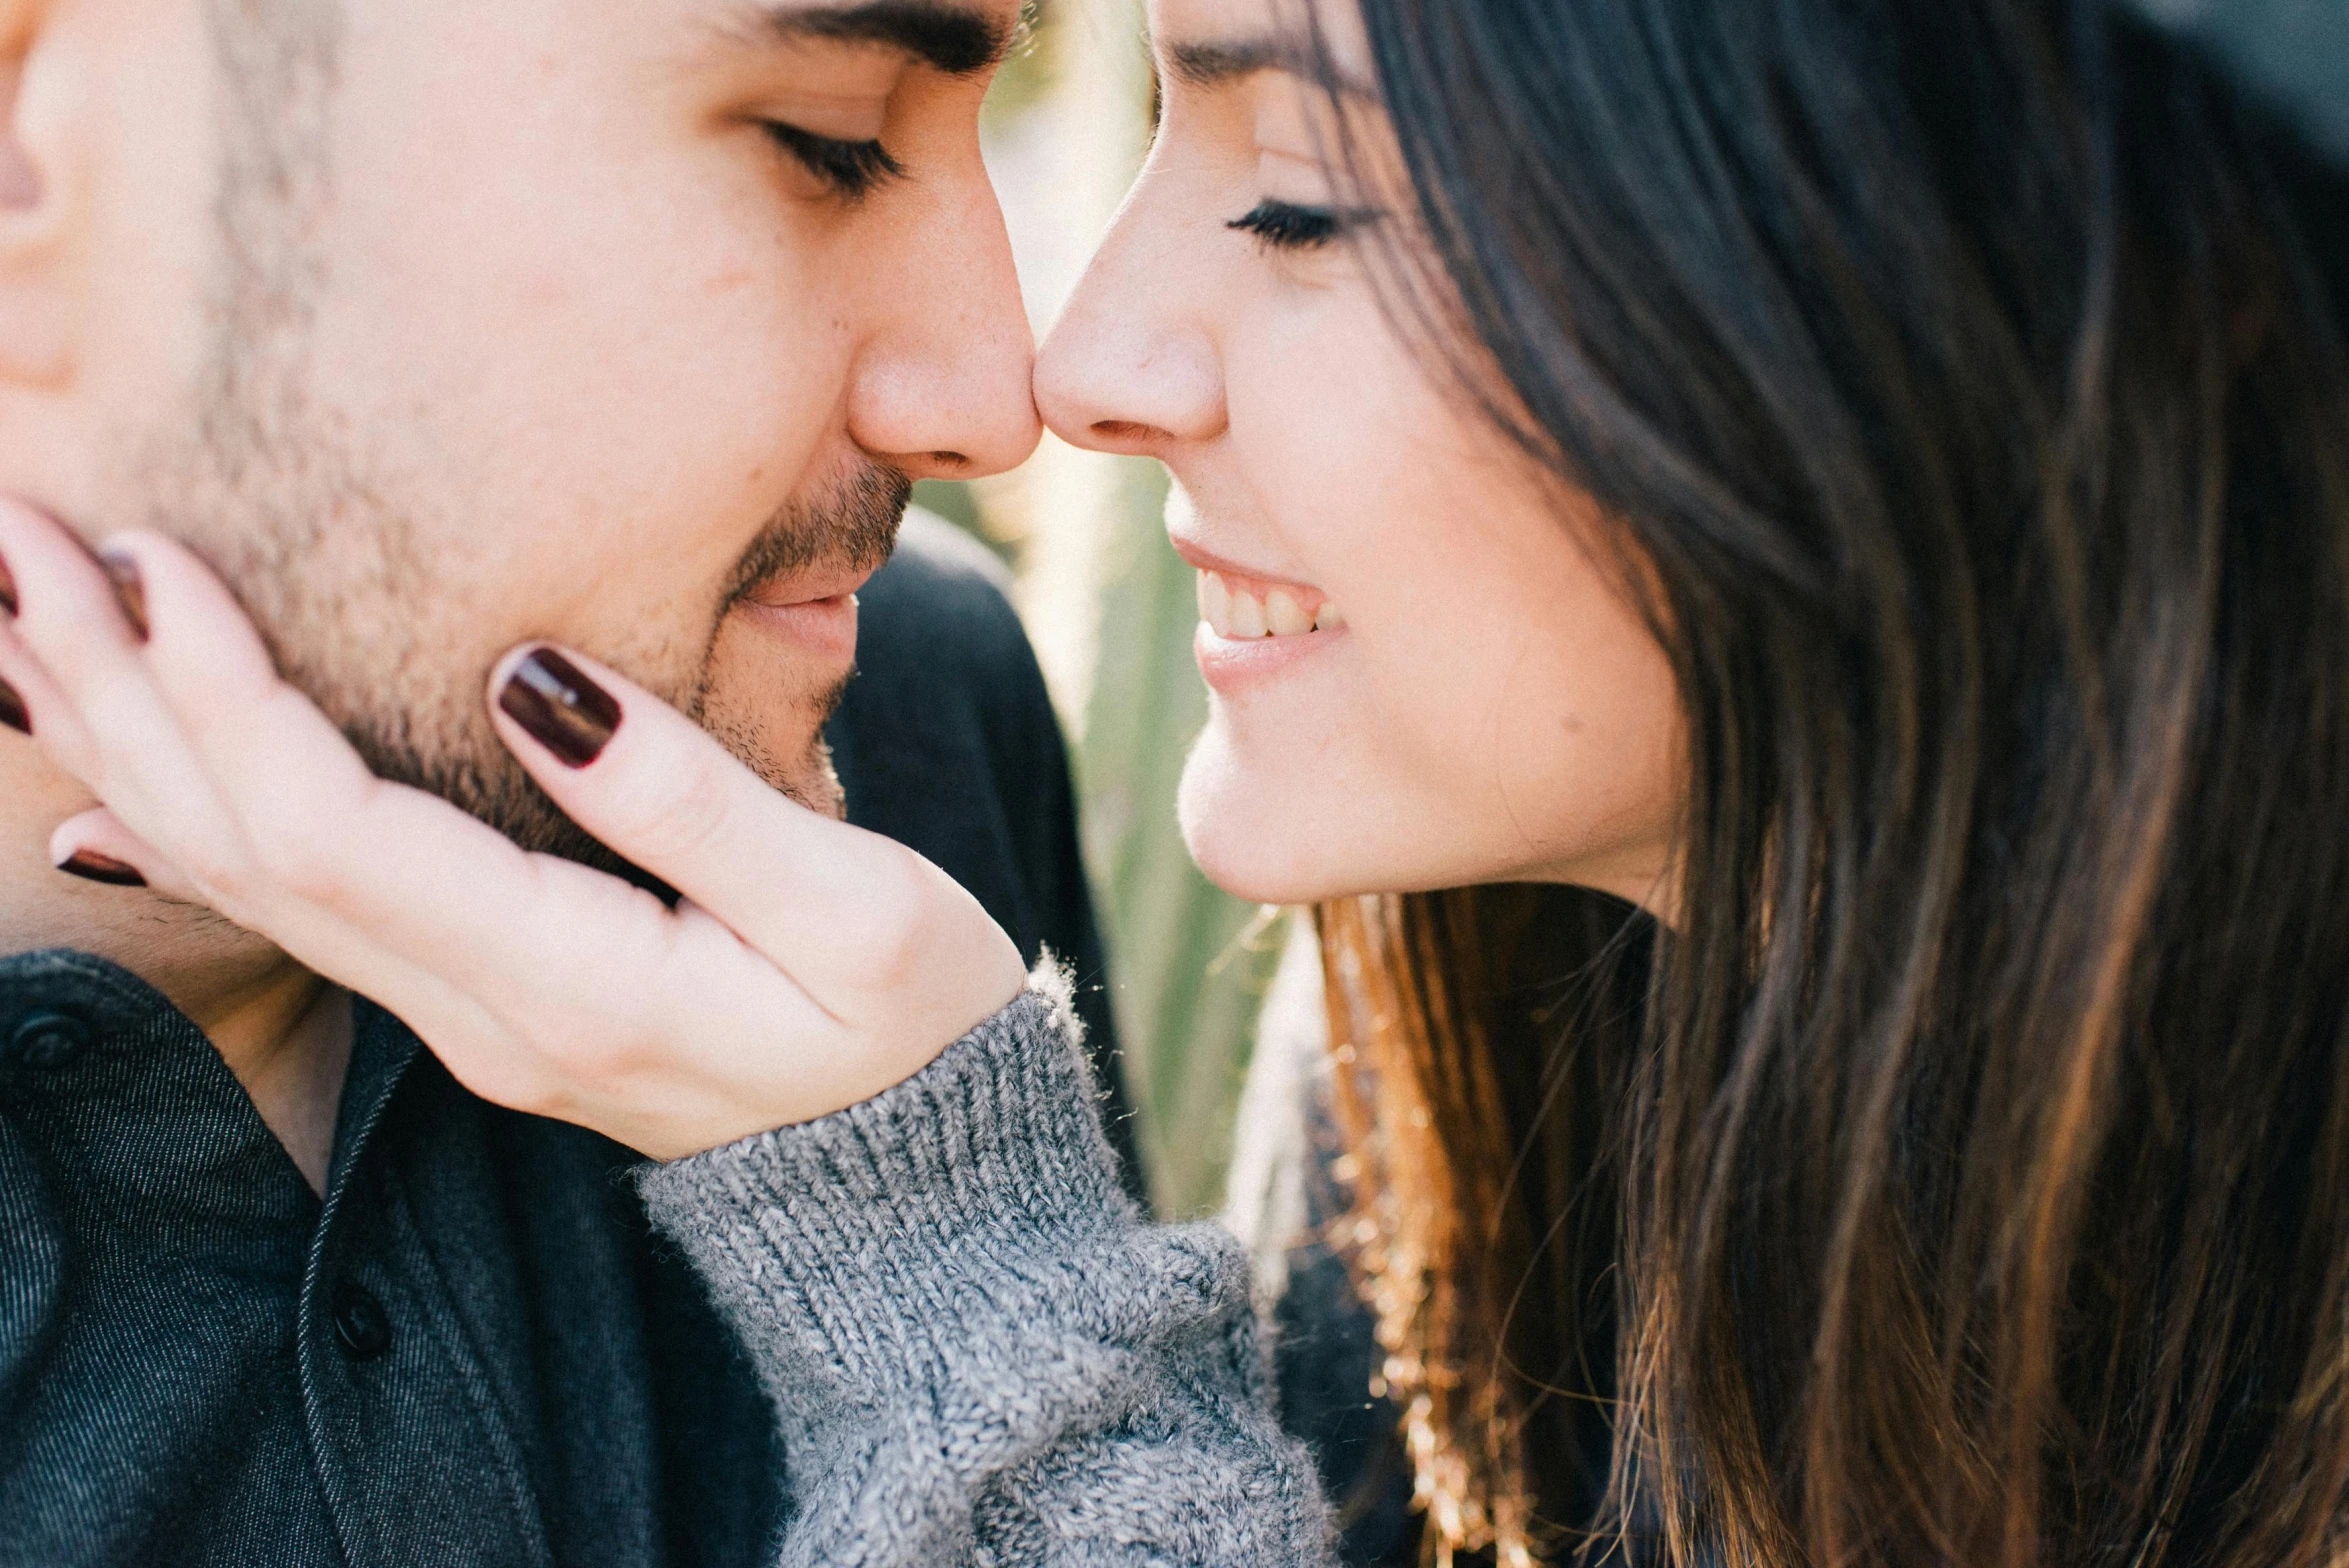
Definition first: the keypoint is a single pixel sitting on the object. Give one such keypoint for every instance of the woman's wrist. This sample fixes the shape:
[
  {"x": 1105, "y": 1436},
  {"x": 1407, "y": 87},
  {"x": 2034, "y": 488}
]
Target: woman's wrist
[{"x": 871, "y": 1236}]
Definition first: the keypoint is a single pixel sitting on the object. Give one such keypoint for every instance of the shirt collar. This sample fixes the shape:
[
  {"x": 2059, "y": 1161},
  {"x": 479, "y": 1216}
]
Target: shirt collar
[{"x": 139, "y": 1120}]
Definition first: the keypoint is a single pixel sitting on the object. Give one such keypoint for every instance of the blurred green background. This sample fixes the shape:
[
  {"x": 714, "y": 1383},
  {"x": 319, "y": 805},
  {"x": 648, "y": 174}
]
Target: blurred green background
[{"x": 1111, "y": 610}]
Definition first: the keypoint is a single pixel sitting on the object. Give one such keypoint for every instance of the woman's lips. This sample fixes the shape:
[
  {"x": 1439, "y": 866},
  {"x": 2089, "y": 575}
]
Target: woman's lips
[
  {"x": 1230, "y": 664},
  {"x": 1252, "y": 629}
]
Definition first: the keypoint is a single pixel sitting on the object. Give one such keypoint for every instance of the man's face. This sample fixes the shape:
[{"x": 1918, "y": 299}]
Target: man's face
[{"x": 439, "y": 325}]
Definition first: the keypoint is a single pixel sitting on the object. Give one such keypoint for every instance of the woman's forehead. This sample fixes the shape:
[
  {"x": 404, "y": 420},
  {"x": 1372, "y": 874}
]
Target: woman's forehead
[{"x": 1221, "y": 40}]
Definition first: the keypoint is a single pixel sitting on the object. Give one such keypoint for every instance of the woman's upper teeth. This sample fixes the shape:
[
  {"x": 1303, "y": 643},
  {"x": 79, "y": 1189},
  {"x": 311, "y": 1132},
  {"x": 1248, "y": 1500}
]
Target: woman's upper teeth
[{"x": 1236, "y": 609}]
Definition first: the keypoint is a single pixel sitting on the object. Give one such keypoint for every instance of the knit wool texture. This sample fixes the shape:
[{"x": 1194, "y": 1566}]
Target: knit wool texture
[{"x": 977, "y": 1349}]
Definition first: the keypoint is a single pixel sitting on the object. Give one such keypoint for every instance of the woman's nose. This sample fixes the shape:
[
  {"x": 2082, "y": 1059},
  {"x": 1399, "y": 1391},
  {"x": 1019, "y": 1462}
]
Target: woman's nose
[{"x": 1131, "y": 367}]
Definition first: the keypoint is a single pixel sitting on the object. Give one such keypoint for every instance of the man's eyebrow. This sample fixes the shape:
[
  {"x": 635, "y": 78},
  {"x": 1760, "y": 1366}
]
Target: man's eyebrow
[
  {"x": 1221, "y": 61},
  {"x": 958, "y": 40}
]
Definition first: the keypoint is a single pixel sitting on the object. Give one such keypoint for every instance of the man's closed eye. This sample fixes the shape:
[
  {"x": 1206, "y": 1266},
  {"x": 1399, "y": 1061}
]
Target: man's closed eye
[{"x": 849, "y": 170}]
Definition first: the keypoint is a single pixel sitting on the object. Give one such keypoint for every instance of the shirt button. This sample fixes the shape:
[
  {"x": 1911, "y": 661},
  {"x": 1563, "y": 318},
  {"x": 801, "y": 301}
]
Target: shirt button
[
  {"x": 362, "y": 1329},
  {"x": 48, "y": 1041}
]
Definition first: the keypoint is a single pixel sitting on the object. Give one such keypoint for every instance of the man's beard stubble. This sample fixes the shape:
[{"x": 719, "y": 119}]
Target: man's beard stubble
[
  {"x": 347, "y": 602},
  {"x": 852, "y": 527}
]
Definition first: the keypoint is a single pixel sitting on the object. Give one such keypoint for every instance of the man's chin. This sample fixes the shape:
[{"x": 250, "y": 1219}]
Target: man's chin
[
  {"x": 820, "y": 790},
  {"x": 814, "y": 783}
]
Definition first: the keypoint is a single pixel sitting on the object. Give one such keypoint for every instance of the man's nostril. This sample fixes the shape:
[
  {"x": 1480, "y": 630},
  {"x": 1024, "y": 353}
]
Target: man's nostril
[
  {"x": 950, "y": 460},
  {"x": 1124, "y": 430}
]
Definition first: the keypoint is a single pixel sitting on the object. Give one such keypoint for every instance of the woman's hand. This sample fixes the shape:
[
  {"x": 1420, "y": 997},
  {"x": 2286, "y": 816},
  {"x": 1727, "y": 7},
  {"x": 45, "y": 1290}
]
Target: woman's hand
[{"x": 811, "y": 965}]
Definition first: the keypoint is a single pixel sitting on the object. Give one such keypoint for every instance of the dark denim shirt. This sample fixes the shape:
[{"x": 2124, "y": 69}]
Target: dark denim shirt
[{"x": 472, "y": 1351}]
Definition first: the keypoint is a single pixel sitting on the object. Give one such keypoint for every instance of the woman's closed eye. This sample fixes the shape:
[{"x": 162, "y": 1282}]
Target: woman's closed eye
[
  {"x": 1284, "y": 225},
  {"x": 850, "y": 170}
]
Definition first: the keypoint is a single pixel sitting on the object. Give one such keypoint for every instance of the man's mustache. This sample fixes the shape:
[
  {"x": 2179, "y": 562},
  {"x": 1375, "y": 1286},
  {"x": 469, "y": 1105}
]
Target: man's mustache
[{"x": 851, "y": 529}]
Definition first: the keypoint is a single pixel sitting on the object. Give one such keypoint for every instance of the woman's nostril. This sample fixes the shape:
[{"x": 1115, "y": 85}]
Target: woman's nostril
[{"x": 1126, "y": 430}]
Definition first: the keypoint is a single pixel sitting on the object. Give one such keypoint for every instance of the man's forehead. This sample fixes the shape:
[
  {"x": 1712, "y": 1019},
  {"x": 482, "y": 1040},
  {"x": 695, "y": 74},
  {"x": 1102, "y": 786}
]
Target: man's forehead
[{"x": 958, "y": 37}]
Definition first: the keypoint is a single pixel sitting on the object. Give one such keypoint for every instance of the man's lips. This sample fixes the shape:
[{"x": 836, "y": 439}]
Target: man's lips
[
  {"x": 810, "y": 585},
  {"x": 814, "y": 610}
]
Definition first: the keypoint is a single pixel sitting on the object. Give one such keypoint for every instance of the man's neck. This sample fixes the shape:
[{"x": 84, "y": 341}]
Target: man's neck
[{"x": 283, "y": 1031}]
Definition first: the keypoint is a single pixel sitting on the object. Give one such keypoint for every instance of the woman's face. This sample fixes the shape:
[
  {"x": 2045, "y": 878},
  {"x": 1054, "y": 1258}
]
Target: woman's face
[{"x": 1422, "y": 674}]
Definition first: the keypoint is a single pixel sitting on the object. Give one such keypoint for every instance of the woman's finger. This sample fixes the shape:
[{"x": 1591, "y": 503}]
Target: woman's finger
[
  {"x": 201, "y": 653},
  {"x": 63, "y": 595},
  {"x": 82, "y": 729},
  {"x": 105, "y": 713},
  {"x": 847, "y": 913},
  {"x": 48, "y": 716},
  {"x": 64, "y": 613},
  {"x": 99, "y": 847}
]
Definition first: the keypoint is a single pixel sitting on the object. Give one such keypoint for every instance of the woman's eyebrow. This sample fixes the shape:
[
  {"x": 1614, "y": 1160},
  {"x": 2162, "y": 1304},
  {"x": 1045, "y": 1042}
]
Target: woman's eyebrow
[
  {"x": 1218, "y": 62},
  {"x": 959, "y": 40}
]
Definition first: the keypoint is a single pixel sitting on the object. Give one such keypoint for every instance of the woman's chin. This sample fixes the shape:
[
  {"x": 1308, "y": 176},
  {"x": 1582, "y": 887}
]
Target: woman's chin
[{"x": 1245, "y": 842}]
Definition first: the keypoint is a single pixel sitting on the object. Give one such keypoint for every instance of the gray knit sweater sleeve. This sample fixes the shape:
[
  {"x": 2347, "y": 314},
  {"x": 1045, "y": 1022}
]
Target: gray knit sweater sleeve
[{"x": 977, "y": 1351}]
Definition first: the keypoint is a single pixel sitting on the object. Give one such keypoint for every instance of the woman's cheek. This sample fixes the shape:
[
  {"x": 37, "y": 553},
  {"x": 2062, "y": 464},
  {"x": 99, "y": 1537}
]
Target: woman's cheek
[
  {"x": 1454, "y": 737},
  {"x": 1588, "y": 769}
]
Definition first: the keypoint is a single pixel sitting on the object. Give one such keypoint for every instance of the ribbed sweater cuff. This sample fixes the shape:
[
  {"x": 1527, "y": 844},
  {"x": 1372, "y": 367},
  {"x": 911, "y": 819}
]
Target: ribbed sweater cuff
[{"x": 862, "y": 1250}]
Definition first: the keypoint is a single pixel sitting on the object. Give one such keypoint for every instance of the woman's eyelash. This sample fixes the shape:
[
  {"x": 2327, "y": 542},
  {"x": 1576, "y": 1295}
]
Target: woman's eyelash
[
  {"x": 853, "y": 169},
  {"x": 1287, "y": 226}
]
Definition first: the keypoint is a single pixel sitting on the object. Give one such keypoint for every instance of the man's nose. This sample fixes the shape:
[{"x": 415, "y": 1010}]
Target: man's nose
[{"x": 944, "y": 386}]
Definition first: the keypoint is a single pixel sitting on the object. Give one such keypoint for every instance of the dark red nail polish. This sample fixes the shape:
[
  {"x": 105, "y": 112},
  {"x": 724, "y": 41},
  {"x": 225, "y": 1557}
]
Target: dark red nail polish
[
  {"x": 130, "y": 590},
  {"x": 562, "y": 709},
  {"x": 12, "y": 710},
  {"x": 91, "y": 866}
]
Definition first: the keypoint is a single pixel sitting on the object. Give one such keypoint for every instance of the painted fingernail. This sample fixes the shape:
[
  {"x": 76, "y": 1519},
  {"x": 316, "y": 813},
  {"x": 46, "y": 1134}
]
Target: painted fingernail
[
  {"x": 562, "y": 709},
  {"x": 130, "y": 589},
  {"x": 12, "y": 710},
  {"x": 91, "y": 866}
]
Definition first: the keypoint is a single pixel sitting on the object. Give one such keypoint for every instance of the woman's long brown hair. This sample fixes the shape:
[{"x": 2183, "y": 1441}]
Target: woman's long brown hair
[
  {"x": 1970, "y": 1181},
  {"x": 1479, "y": 1037}
]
